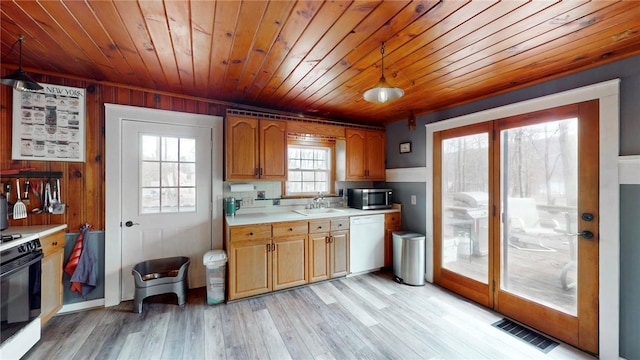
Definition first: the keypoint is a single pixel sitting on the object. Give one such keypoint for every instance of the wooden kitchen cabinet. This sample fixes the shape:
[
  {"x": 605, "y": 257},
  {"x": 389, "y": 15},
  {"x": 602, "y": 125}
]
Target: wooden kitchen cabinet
[
  {"x": 289, "y": 252},
  {"x": 392, "y": 222},
  {"x": 328, "y": 248},
  {"x": 365, "y": 155},
  {"x": 52, "y": 267},
  {"x": 250, "y": 262},
  {"x": 266, "y": 257},
  {"x": 255, "y": 148}
]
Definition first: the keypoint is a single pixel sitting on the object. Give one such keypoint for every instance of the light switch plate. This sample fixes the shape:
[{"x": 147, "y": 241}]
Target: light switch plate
[{"x": 413, "y": 199}]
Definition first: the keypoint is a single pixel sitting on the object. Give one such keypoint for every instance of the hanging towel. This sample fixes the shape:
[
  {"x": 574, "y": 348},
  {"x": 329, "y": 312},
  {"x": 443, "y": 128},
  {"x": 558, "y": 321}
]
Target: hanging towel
[
  {"x": 74, "y": 258},
  {"x": 84, "y": 273}
]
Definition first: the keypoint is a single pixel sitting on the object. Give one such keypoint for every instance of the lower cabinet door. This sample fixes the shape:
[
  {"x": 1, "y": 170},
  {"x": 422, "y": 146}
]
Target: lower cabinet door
[
  {"x": 250, "y": 268},
  {"x": 339, "y": 253},
  {"x": 51, "y": 284},
  {"x": 289, "y": 261},
  {"x": 318, "y": 257}
]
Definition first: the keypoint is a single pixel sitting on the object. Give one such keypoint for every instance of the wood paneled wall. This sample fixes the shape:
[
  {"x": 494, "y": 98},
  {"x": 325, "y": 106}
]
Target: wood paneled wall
[{"x": 83, "y": 189}]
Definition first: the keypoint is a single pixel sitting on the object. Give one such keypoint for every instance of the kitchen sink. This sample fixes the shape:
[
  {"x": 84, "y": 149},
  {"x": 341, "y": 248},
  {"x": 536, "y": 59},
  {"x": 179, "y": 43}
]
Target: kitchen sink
[{"x": 308, "y": 212}]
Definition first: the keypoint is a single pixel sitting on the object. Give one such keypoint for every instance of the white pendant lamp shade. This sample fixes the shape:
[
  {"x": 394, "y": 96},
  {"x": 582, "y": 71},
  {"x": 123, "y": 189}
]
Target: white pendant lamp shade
[{"x": 382, "y": 92}]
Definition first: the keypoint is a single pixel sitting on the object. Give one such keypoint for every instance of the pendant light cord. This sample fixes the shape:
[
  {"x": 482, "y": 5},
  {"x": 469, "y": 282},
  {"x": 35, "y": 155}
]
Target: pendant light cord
[
  {"x": 13, "y": 46},
  {"x": 382, "y": 62}
]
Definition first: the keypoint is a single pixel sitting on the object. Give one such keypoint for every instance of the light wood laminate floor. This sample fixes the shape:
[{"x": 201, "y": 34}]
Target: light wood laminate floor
[{"x": 362, "y": 317}]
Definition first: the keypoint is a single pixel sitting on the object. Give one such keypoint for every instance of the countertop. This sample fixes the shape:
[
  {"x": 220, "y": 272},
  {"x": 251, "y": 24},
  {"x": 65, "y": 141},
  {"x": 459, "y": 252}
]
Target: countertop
[
  {"x": 251, "y": 218},
  {"x": 29, "y": 233}
]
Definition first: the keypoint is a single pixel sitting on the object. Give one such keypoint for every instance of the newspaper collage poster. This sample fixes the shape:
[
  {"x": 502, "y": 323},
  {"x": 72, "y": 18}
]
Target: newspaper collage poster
[{"x": 49, "y": 124}]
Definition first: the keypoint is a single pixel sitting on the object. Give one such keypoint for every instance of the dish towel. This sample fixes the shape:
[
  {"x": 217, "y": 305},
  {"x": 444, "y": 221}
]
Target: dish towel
[{"x": 81, "y": 265}]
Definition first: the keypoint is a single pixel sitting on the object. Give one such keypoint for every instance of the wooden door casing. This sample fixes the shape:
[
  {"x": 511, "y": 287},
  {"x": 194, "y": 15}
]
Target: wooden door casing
[{"x": 580, "y": 330}]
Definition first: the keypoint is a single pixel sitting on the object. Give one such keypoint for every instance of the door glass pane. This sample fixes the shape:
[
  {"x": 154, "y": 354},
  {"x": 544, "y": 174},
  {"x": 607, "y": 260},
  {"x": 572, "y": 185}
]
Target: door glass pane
[
  {"x": 539, "y": 210},
  {"x": 465, "y": 185},
  {"x": 167, "y": 174}
]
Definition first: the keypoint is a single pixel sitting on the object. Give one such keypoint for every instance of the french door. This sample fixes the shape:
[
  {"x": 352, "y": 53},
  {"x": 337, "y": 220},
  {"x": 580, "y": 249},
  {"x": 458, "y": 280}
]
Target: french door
[{"x": 515, "y": 226}]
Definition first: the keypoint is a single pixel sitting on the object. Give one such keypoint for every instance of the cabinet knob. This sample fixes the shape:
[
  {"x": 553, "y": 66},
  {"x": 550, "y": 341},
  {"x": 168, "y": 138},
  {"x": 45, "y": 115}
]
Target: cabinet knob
[
  {"x": 251, "y": 234},
  {"x": 54, "y": 243},
  {"x": 290, "y": 229},
  {"x": 319, "y": 227}
]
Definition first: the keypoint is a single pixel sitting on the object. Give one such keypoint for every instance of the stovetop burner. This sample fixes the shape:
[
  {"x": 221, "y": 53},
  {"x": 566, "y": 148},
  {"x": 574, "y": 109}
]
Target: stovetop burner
[{"x": 10, "y": 237}]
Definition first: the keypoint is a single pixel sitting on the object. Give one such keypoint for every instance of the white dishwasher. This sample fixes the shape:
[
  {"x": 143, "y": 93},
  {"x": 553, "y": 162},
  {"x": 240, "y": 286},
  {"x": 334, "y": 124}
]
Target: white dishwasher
[{"x": 366, "y": 236}]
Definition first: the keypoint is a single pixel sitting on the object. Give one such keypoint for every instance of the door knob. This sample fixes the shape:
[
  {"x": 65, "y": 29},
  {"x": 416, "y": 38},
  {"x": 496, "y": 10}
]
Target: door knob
[
  {"x": 585, "y": 234},
  {"x": 130, "y": 223},
  {"x": 587, "y": 217}
]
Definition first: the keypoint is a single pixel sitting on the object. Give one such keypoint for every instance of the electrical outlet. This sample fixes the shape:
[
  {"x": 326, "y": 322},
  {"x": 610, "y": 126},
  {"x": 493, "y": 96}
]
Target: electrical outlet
[
  {"x": 413, "y": 199},
  {"x": 261, "y": 194},
  {"x": 276, "y": 202}
]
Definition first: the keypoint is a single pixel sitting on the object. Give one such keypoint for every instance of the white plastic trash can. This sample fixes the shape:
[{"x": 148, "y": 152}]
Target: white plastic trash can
[{"x": 216, "y": 263}]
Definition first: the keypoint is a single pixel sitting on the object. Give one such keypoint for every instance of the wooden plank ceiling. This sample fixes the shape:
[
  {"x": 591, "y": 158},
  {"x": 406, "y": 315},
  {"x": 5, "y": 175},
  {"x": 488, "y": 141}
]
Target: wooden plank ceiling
[{"x": 317, "y": 58}]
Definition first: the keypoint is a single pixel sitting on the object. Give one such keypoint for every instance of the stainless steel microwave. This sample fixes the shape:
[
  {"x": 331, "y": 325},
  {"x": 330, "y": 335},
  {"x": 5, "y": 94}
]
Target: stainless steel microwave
[{"x": 370, "y": 199}]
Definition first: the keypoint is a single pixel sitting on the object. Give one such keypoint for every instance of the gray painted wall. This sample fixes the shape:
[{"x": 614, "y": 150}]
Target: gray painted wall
[
  {"x": 628, "y": 71},
  {"x": 630, "y": 271}
]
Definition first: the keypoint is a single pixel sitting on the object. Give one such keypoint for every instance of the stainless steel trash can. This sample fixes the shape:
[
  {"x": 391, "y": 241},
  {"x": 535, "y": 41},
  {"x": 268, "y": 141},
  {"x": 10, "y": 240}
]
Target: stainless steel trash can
[{"x": 408, "y": 258}]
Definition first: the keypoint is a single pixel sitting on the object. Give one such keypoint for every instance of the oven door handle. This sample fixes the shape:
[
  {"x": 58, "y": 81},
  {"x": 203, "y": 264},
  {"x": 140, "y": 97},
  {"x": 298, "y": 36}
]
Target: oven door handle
[{"x": 28, "y": 261}]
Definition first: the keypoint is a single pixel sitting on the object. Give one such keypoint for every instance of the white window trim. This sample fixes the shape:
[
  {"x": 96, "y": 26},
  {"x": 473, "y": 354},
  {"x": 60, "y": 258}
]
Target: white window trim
[{"x": 608, "y": 93}]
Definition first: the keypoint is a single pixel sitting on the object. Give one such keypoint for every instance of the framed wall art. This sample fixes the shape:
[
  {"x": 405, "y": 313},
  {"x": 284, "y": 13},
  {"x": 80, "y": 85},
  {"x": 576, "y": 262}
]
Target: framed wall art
[
  {"x": 405, "y": 147},
  {"x": 49, "y": 124}
]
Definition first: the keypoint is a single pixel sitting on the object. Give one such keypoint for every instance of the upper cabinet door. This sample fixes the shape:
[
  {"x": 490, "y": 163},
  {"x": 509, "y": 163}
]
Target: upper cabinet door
[
  {"x": 356, "y": 154},
  {"x": 365, "y": 155},
  {"x": 273, "y": 150},
  {"x": 376, "y": 155},
  {"x": 241, "y": 148}
]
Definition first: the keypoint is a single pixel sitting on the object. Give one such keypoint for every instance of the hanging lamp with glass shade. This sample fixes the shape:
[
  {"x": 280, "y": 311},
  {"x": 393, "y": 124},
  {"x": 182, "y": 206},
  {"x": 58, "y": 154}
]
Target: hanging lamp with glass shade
[
  {"x": 19, "y": 79},
  {"x": 383, "y": 92}
]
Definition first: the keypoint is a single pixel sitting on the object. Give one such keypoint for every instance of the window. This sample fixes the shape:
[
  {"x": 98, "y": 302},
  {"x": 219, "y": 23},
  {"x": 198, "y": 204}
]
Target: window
[
  {"x": 168, "y": 174},
  {"x": 310, "y": 168}
]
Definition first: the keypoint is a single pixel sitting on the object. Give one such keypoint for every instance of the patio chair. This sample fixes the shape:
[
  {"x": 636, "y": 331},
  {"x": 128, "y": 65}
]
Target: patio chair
[
  {"x": 526, "y": 224},
  {"x": 524, "y": 219}
]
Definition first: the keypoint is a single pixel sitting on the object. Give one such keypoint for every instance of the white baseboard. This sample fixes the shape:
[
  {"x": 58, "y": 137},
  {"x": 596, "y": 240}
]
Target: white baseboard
[{"x": 84, "y": 305}]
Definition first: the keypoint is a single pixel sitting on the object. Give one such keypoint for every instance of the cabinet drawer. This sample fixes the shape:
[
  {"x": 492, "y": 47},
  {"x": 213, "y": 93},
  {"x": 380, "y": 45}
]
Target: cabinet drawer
[
  {"x": 392, "y": 220},
  {"x": 53, "y": 242},
  {"x": 319, "y": 226},
  {"x": 340, "y": 224},
  {"x": 250, "y": 232},
  {"x": 290, "y": 228}
]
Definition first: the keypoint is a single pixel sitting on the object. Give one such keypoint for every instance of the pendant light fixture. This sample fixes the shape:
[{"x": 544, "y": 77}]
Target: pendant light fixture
[
  {"x": 383, "y": 92},
  {"x": 19, "y": 79}
]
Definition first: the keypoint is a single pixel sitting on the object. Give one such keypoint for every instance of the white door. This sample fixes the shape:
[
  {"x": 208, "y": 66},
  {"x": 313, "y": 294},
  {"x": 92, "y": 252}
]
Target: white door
[{"x": 166, "y": 196}]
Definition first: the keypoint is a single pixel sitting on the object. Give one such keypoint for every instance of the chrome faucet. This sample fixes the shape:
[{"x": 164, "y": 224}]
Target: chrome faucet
[{"x": 318, "y": 201}]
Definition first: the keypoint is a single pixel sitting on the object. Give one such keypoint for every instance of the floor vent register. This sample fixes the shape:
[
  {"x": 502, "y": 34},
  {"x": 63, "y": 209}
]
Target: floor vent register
[{"x": 527, "y": 335}]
